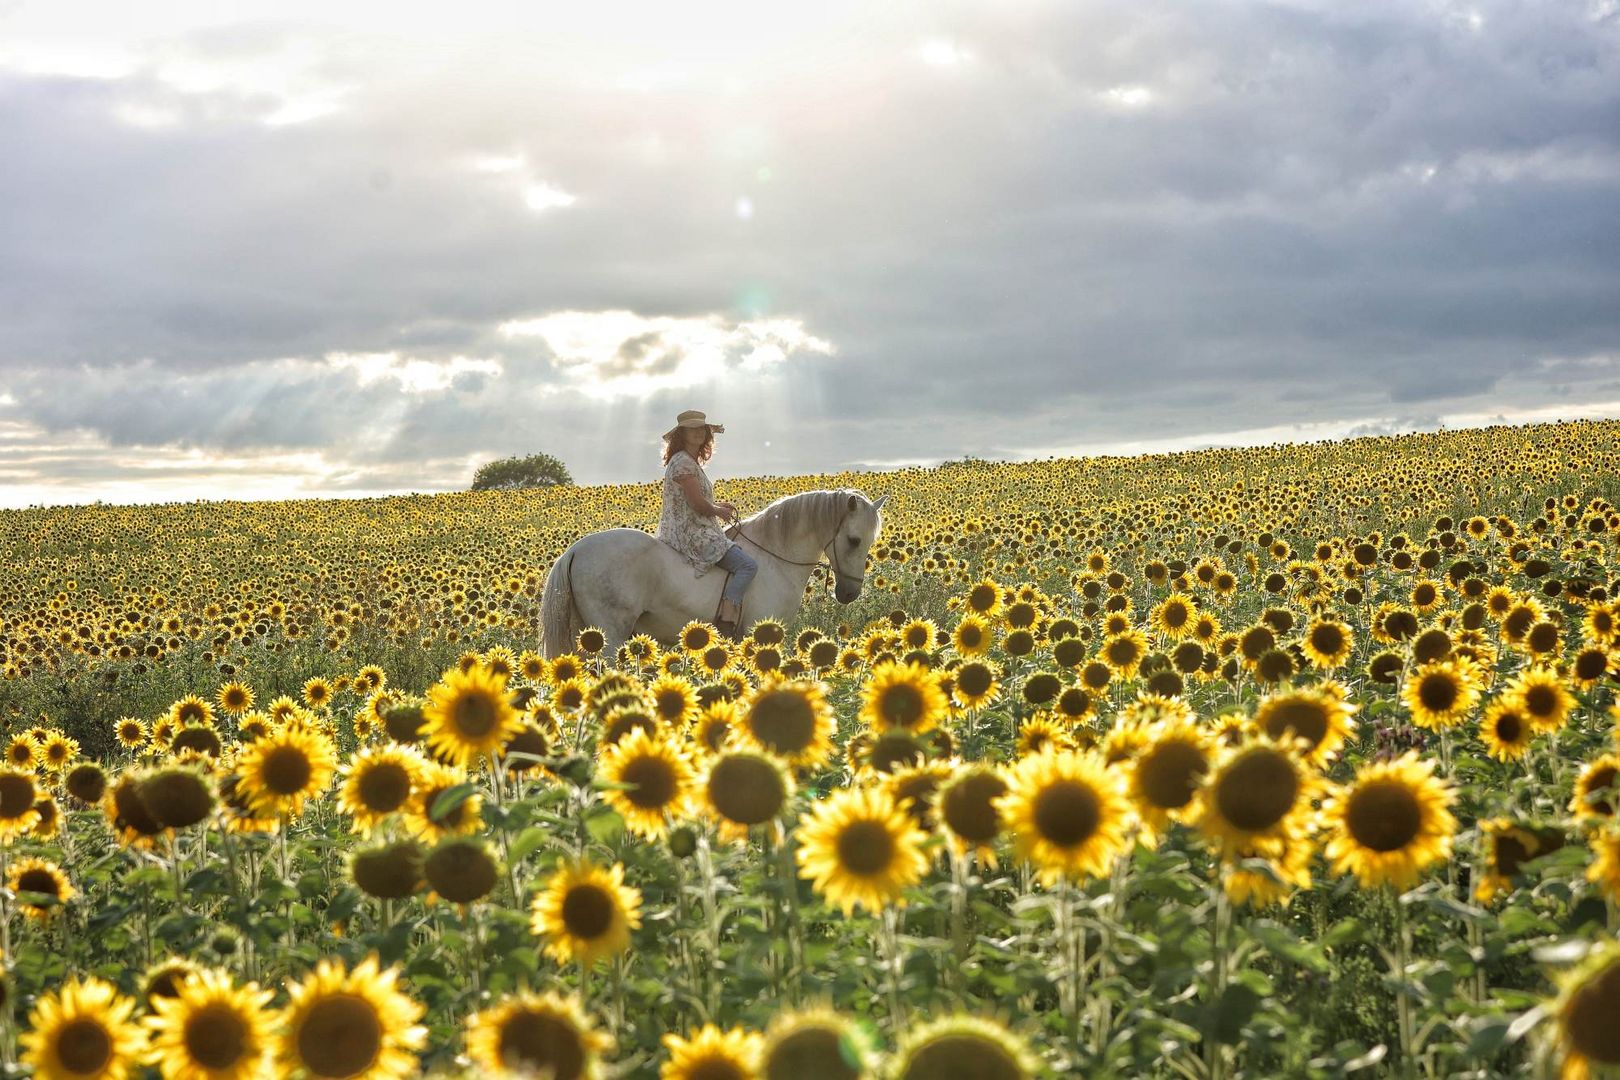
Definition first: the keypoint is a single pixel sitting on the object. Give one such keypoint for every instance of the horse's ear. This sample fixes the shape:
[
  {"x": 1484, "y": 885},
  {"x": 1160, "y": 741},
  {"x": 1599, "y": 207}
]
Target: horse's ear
[
  {"x": 853, "y": 502},
  {"x": 881, "y": 499}
]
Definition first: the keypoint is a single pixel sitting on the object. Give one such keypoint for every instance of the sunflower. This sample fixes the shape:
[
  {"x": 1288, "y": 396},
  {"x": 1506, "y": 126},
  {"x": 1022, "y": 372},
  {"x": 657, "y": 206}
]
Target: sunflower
[
  {"x": 1286, "y": 869},
  {"x": 210, "y": 1030},
  {"x": 19, "y": 798},
  {"x": 1595, "y": 794},
  {"x": 1604, "y": 871},
  {"x": 1257, "y": 799},
  {"x": 659, "y": 779},
  {"x": 1390, "y": 823},
  {"x": 537, "y": 1034},
  {"x": 967, "y": 807},
  {"x": 743, "y": 788},
  {"x": 975, "y": 683},
  {"x": 791, "y": 719},
  {"x": 1068, "y": 814},
  {"x": 469, "y": 715},
  {"x": 713, "y": 727},
  {"x": 972, "y": 636},
  {"x": 1123, "y": 653},
  {"x": 983, "y": 598},
  {"x": 41, "y": 877},
  {"x": 377, "y": 782},
  {"x": 426, "y": 819},
  {"x": 235, "y": 698},
  {"x": 1166, "y": 776},
  {"x": 131, "y": 733},
  {"x": 191, "y": 709},
  {"x": 1586, "y": 1037},
  {"x": 1505, "y": 729},
  {"x": 963, "y": 1046},
  {"x": 674, "y": 700},
  {"x": 355, "y": 1025},
  {"x": 906, "y": 696},
  {"x": 695, "y": 637},
  {"x": 22, "y": 752},
  {"x": 1508, "y": 846},
  {"x": 565, "y": 668},
  {"x": 815, "y": 1042},
  {"x": 1173, "y": 616},
  {"x": 857, "y": 847},
  {"x": 57, "y": 750},
  {"x": 317, "y": 692},
  {"x": 279, "y": 772},
  {"x": 1327, "y": 644},
  {"x": 1542, "y": 698},
  {"x": 712, "y": 1054},
  {"x": 915, "y": 789},
  {"x": 82, "y": 1031},
  {"x": 586, "y": 913},
  {"x": 1440, "y": 694},
  {"x": 1318, "y": 718},
  {"x": 1041, "y": 733}
]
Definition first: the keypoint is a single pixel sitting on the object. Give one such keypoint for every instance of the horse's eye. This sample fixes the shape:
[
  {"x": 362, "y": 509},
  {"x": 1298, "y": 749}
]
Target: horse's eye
[{"x": 853, "y": 541}]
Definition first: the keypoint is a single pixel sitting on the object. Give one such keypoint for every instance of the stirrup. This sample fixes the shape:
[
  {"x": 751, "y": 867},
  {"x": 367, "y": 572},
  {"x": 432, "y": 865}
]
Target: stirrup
[{"x": 727, "y": 628}]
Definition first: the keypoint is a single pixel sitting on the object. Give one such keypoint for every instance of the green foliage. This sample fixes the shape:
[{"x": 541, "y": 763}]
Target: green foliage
[{"x": 534, "y": 471}]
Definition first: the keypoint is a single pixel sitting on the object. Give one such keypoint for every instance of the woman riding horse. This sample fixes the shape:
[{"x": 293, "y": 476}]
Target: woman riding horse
[{"x": 687, "y": 520}]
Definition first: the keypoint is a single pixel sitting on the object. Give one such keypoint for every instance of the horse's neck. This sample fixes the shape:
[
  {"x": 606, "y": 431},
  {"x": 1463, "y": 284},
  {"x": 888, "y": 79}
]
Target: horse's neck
[{"x": 770, "y": 529}]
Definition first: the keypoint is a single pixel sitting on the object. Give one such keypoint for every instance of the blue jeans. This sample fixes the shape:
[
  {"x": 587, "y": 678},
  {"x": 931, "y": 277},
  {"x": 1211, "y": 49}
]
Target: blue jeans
[{"x": 743, "y": 567}]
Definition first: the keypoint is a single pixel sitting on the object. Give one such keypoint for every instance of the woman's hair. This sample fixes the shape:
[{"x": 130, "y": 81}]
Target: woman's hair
[{"x": 678, "y": 442}]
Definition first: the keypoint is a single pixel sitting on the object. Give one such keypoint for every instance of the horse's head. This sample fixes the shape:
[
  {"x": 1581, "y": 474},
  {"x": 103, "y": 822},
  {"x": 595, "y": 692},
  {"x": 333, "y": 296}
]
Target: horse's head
[{"x": 857, "y": 529}]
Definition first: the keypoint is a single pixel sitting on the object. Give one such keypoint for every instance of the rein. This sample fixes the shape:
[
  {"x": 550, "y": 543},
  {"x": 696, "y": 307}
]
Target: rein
[{"x": 832, "y": 559}]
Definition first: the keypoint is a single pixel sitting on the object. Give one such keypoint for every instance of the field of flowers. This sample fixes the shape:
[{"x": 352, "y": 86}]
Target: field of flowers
[{"x": 1279, "y": 762}]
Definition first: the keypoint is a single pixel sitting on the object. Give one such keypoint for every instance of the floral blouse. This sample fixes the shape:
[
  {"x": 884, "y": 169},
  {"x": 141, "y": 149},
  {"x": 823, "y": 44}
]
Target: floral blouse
[{"x": 699, "y": 538}]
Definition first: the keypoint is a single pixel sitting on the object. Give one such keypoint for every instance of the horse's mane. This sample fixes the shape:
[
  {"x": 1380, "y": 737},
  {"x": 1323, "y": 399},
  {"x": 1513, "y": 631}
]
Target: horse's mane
[{"x": 819, "y": 511}]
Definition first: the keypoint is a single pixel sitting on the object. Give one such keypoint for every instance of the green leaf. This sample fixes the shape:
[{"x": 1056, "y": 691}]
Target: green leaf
[
  {"x": 605, "y": 826},
  {"x": 449, "y": 799},
  {"x": 527, "y": 843}
]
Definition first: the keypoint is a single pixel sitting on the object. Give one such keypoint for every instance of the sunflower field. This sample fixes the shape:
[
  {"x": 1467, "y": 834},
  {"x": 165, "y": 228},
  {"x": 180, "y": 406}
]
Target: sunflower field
[{"x": 1294, "y": 761}]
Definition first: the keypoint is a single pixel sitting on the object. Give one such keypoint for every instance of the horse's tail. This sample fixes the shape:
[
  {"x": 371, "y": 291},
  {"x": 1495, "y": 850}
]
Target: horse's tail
[{"x": 556, "y": 607}]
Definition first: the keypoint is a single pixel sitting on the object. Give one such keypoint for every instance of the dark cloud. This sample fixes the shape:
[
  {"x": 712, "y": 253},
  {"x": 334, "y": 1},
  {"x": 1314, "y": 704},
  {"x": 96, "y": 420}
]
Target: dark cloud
[{"x": 1110, "y": 220}]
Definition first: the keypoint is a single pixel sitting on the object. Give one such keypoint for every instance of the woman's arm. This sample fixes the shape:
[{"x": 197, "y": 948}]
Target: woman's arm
[{"x": 694, "y": 495}]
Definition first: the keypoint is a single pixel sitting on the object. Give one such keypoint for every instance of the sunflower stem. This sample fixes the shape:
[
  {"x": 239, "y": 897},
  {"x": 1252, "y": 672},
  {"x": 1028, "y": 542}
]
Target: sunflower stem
[
  {"x": 1214, "y": 1057},
  {"x": 1403, "y": 1004},
  {"x": 892, "y": 961},
  {"x": 711, "y": 923},
  {"x": 959, "y": 939},
  {"x": 790, "y": 902}
]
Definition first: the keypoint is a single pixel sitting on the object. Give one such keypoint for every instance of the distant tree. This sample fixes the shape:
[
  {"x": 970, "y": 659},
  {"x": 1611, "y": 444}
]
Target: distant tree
[{"x": 536, "y": 470}]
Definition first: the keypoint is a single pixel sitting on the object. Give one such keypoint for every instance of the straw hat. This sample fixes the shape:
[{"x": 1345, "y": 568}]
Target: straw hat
[{"x": 691, "y": 418}]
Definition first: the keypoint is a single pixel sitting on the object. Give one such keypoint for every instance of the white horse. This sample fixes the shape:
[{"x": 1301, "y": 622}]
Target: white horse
[{"x": 626, "y": 581}]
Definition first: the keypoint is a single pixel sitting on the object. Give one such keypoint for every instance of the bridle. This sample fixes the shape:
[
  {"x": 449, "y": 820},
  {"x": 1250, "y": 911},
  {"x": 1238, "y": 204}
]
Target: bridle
[{"x": 832, "y": 555}]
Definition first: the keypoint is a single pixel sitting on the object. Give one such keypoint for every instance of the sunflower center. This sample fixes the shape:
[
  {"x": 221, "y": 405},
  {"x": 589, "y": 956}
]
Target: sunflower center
[
  {"x": 341, "y": 1036},
  {"x": 865, "y": 848},
  {"x": 540, "y": 1043},
  {"x": 38, "y": 880},
  {"x": 17, "y": 796},
  {"x": 1169, "y": 774},
  {"x": 474, "y": 716},
  {"x": 784, "y": 721},
  {"x": 215, "y": 1037},
  {"x": 1508, "y": 854},
  {"x": 1509, "y": 728},
  {"x": 1601, "y": 780},
  {"x": 1067, "y": 813},
  {"x": 1327, "y": 640},
  {"x": 1384, "y": 816},
  {"x": 384, "y": 787},
  {"x": 286, "y": 770},
  {"x": 1257, "y": 791},
  {"x": 84, "y": 1046},
  {"x": 961, "y": 1057},
  {"x": 587, "y": 911},
  {"x": 1438, "y": 692},
  {"x": 1540, "y": 700},
  {"x": 1590, "y": 1017},
  {"x": 969, "y": 811},
  {"x": 810, "y": 1051},
  {"x": 1305, "y": 719},
  {"x": 974, "y": 680},
  {"x": 716, "y": 1068},
  {"x": 746, "y": 791},
  {"x": 901, "y": 705},
  {"x": 654, "y": 780}
]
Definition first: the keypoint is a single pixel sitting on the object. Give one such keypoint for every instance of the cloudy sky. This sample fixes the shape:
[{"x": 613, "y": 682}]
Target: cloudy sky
[{"x": 300, "y": 248}]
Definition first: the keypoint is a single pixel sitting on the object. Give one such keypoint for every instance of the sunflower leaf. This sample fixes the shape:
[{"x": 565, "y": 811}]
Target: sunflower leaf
[{"x": 449, "y": 799}]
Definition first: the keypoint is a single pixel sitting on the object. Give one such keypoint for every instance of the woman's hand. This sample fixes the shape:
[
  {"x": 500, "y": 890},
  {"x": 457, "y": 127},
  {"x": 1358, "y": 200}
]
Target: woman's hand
[{"x": 725, "y": 511}]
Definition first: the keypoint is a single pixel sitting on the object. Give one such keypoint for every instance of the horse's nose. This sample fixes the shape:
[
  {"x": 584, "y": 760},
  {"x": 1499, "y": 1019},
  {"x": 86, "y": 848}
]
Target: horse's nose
[{"x": 846, "y": 594}]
